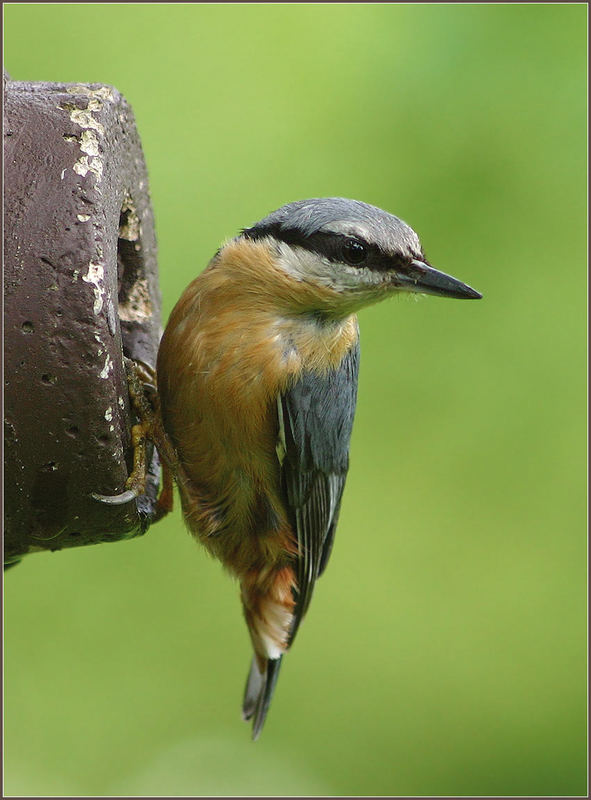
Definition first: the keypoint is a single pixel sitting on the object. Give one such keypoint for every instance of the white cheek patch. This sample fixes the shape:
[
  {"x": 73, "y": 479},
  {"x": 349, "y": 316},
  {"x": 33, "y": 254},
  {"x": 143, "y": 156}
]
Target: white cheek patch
[
  {"x": 300, "y": 263},
  {"x": 305, "y": 265}
]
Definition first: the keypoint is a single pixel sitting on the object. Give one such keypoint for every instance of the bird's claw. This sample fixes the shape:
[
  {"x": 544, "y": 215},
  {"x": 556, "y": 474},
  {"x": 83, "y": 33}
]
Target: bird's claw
[
  {"x": 116, "y": 499},
  {"x": 139, "y": 377},
  {"x": 141, "y": 380}
]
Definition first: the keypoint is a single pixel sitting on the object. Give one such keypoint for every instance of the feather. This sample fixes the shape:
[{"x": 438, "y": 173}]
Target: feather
[
  {"x": 317, "y": 419},
  {"x": 259, "y": 691}
]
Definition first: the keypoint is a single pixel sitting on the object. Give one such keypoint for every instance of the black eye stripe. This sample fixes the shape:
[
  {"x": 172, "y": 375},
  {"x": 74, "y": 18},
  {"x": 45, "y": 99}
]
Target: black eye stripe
[
  {"x": 329, "y": 245},
  {"x": 354, "y": 251},
  {"x": 332, "y": 246},
  {"x": 325, "y": 244}
]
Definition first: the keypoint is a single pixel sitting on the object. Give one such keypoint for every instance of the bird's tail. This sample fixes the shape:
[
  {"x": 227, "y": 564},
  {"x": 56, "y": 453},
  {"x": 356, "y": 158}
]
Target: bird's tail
[
  {"x": 268, "y": 609},
  {"x": 259, "y": 691}
]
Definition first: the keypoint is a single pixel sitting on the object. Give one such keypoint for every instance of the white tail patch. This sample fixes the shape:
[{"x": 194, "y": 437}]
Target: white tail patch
[{"x": 272, "y": 626}]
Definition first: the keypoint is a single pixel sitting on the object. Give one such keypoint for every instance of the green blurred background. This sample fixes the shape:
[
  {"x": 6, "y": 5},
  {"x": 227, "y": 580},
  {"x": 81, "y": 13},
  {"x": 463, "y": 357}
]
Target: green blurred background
[{"x": 445, "y": 650}]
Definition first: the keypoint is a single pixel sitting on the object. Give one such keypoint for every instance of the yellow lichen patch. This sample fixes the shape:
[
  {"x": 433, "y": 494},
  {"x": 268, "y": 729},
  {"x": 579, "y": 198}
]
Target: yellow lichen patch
[
  {"x": 129, "y": 226},
  {"x": 103, "y": 92},
  {"x": 95, "y": 276},
  {"x": 89, "y": 143},
  {"x": 84, "y": 165},
  {"x": 84, "y": 118},
  {"x": 137, "y": 305}
]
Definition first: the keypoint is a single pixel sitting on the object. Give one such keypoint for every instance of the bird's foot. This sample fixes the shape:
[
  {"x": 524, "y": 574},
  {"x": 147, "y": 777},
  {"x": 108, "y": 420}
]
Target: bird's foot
[{"x": 141, "y": 381}]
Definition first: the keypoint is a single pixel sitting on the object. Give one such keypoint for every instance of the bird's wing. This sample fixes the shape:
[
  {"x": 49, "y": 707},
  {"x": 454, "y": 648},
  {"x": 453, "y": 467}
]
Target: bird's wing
[{"x": 316, "y": 419}]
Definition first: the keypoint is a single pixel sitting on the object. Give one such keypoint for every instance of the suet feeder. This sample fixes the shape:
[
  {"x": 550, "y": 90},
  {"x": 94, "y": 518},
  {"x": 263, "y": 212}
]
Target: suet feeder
[{"x": 81, "y": 291}]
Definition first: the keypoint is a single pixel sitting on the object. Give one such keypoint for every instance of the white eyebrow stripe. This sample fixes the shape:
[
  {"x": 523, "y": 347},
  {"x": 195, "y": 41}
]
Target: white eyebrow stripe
[
  {"x": 404, "y": 241},
  {"x": 347, "y": 228}
]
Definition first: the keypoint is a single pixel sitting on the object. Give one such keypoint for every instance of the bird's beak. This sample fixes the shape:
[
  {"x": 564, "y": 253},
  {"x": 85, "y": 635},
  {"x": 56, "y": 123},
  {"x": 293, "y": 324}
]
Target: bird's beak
[{"x": 423, "y": 278}]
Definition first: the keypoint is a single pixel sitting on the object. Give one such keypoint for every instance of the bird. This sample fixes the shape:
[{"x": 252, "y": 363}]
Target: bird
[{"x": 257, "y": 375}]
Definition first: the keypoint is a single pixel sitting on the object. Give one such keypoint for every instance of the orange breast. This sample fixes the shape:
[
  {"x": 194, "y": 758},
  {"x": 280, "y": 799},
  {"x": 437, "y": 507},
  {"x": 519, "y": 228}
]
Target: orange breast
[{"x": 228, "y": 352}]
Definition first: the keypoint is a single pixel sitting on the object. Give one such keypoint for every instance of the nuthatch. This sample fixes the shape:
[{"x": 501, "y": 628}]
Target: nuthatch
[{"x": 257, "y": 384}]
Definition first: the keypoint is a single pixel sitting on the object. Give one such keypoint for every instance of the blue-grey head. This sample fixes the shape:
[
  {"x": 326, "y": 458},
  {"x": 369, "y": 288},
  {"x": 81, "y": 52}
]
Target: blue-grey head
[{"x": 352, "y": 248}]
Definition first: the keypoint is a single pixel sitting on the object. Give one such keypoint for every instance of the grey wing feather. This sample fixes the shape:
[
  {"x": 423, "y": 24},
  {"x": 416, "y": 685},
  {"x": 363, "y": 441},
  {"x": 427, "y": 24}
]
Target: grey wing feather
[{"x": 317, "y": 419}]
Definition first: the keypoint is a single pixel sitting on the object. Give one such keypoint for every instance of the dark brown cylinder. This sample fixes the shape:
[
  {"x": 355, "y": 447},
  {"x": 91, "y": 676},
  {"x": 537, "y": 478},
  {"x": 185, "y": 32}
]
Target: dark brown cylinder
[{"x": 81, "y": 290}]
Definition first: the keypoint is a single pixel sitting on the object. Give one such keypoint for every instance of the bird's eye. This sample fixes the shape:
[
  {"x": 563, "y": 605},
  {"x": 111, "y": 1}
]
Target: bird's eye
[{"x": 354, "y": 251}]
